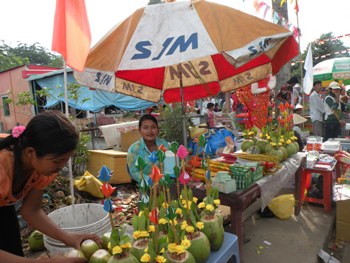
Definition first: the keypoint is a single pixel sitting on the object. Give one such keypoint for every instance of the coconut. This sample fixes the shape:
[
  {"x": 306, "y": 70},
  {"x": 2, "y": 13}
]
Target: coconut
[
  {"x": 105, "y": 240},
  {"x": 280, "y": 155},
  {"x": 36, "y": 241},
  {"x": 214, "y": 230},
  {"x": 186, "y": 257},
  {"x": 138, "y": 248},
  {"x": 296, "y": 145},
  {"x": 100, "y": 256},
  {"x": 268, "y": 148},
  {"x": 200, "y": 247},
  {"x": 75, "y": 253},
  {"x": 285, "y": 152},
  {"x": 89, "y": 247},
  {"x": 246, "y": 144},
  {"x": 290, "y": 149},
  {"x": 127, "y": 259},
  {"x": 261, "y": 144}
]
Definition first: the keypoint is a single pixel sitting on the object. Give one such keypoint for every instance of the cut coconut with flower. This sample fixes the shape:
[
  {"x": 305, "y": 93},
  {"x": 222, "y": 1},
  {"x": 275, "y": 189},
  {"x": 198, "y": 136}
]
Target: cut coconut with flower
[{"x": 212, "y": 219}]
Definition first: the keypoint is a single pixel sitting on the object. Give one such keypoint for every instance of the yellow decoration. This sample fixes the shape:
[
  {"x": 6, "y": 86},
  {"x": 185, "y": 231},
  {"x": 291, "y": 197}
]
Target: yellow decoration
[
  {"x": 117, "y": 250},
  {"x": 160, "y": 259},
  {"x": 178, "y": 211},
  {"x": 186, "y": 243},
  {"x": 200, "y": 225},
  {"x": 209, "y": 208},
  {"x": 190, "y": 229},
  {"x": 201, "y": 205},
  {"x": 145, "y": 258}
]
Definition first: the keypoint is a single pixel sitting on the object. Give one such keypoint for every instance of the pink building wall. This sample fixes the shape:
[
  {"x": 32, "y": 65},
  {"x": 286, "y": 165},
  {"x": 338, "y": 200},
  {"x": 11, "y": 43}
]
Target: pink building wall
[{"x": 12, "y": 82}]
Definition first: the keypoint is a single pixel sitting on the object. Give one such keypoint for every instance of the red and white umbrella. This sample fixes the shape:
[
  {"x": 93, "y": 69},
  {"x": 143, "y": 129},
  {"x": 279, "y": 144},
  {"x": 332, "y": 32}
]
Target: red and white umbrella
[{"x": 199, "y": 46}]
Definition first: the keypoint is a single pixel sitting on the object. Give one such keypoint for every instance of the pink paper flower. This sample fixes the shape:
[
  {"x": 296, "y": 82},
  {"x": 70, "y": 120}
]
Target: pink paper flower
[
  {"x": 182, "y": 152},
  {"x": 184, "y": 178},
  {"x": 17, "y": 131}
]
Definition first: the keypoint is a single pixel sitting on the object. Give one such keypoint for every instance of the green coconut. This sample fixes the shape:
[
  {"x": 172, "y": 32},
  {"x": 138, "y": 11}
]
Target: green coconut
[
  {"x": 100, "y": 256},
  {"x": 280, "y": 155},
  {"x": 284, "y": 151},
  {"x": 89, "y": 247},
  {"x": 261, "y": 145},
  {"x": 220, "y": 216},
  {"x": 186, "y": 257},
  {"x": 127, "y": 259},
  {"x": 268, "y": 148},
  {"x": 214, "y": 230},
  {"x": 246, "y": 144},
  {"x": 296, "y": 145},
  {"x": 75, "y": 253},
  {"x": 36, "y": 241},
  {"x": 290, "y": 149},
  {"x": 138, "y": 248},
  {"x": 105, "y": 240},
  {"x": 200, "y": 248}
]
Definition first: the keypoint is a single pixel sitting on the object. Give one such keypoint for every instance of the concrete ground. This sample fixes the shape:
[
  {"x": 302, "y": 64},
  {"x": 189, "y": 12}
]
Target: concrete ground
[{"x": 296, "y": 240}]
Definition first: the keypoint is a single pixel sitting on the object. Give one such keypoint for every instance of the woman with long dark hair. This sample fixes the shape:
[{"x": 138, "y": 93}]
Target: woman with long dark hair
[{"x": 30, "y": 159}]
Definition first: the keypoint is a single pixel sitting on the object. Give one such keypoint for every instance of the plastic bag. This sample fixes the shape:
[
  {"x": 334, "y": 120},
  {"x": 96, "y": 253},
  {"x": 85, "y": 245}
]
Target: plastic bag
[
  {"x": 282, "y": 206},
  {"x": 89, "y": 183}
]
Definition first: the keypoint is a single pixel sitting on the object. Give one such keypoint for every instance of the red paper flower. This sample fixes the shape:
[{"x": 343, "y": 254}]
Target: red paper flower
[
  {"x": 162, "y": 147},
  {"x": 281, "y": 107},
  {"x": 154, "y": 216},
  {"x": 156, "y": 174},
  {"x": 107, "y": 189}
]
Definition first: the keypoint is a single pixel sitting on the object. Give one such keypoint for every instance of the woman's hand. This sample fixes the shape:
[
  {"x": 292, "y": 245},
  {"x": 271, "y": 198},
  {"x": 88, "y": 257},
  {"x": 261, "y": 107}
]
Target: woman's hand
[{"x": 75, "y": 239}]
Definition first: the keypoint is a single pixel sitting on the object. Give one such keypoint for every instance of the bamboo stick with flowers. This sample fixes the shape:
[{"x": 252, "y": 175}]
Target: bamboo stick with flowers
[
  {"x": 107, "y": 190},
  {"x": 174, "y": 146}
]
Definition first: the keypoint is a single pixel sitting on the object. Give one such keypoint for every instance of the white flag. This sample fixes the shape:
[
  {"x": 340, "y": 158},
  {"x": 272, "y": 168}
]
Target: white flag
[{"x": 309, "y": 76}]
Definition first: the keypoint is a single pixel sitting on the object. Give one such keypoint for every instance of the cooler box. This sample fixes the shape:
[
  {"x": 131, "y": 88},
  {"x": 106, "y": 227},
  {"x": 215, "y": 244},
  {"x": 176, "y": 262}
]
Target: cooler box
[
  {"x": 128, "y": 138},
  {"x": 114, "y": 160}
]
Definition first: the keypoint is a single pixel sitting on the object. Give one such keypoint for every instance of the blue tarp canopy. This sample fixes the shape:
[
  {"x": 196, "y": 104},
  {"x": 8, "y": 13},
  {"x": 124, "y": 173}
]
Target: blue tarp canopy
[{"x": 88, "y": 99}]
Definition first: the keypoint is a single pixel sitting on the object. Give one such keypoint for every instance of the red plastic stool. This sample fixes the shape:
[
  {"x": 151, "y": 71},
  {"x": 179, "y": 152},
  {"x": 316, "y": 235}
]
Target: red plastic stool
[{"x": 306, "y": 175}]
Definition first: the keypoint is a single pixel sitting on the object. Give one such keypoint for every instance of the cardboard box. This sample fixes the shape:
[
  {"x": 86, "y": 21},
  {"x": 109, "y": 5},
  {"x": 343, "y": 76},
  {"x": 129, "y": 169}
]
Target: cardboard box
[
  {"x": 128, "y": 138},
  {"x": 343, "y": 231},
  {"x": 343, "y": 220},
  {"x": 114, "y": 160}
]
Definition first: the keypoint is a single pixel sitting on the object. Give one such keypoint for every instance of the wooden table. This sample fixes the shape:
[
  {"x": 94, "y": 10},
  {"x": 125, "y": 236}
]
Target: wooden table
[{"x": 244, "y": 203}]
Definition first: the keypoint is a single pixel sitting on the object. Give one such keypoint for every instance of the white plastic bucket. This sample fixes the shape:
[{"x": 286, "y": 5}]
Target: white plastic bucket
[{"x": 90, "y": 218}]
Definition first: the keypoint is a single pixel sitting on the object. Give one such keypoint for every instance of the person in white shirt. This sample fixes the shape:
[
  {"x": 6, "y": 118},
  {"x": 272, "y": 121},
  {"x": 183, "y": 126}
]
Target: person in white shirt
[
  {"x": 316, "y": 109},
  {"x": 295, "y": 99}
]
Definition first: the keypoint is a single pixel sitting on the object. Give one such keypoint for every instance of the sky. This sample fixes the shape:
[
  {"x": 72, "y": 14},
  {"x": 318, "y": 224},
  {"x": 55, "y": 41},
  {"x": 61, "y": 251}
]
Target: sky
[{"x": 31, "y": 21}]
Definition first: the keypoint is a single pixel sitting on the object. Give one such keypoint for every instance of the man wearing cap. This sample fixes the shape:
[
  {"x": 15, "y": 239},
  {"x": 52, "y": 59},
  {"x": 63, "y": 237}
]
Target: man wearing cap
[
  {"x": 332, "y": 111},
  {"x": 316, "y": 109}
]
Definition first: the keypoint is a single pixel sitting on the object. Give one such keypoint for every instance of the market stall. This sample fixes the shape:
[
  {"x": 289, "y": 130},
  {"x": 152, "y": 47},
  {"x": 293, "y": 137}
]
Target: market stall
[{"x": 258, "y": 195}]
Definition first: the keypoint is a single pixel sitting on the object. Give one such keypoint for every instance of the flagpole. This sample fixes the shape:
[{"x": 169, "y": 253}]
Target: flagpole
[
  {"x": 71, "y": 180},
  {"x": 301, "y": 65}
]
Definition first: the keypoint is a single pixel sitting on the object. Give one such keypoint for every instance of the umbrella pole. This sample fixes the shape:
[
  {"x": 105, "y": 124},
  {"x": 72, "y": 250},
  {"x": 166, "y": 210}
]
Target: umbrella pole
[{"x": 184, "y": 122}]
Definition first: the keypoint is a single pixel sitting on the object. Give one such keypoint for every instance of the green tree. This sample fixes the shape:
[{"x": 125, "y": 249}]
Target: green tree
[
  {"x": 27, "y": 54},
  {"x": 321, "y": 50}
]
